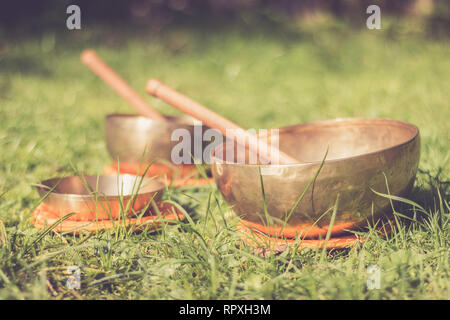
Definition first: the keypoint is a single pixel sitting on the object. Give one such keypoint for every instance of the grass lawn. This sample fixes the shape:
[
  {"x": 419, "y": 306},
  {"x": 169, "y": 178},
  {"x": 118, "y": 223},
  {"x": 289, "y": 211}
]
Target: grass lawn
[{"x": 51, "y": 121}]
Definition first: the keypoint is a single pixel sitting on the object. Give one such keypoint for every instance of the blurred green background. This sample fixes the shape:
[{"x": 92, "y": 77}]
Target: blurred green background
[{"x": 261, "y": 63}]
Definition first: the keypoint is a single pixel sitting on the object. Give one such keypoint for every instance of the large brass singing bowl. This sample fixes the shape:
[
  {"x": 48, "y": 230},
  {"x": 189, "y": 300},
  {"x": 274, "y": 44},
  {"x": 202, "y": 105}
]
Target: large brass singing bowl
[
  {"x": 101, "y": 197},
  {"x": 134, "y": 139},
  {"x": 363, "y": 154}
]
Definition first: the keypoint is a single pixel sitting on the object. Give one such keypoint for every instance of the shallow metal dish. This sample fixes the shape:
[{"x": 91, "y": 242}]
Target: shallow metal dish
[
  {"x": 133, "y": 139},
  {"x": 360, "y": 152},
  {"x": 100, "y": 197}
]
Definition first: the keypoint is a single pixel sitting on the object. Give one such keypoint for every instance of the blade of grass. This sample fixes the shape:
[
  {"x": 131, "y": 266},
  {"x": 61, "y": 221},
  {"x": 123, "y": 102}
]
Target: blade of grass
[
  {"x": 330, "y": 227},
  {"x": 47, "y": 230}
]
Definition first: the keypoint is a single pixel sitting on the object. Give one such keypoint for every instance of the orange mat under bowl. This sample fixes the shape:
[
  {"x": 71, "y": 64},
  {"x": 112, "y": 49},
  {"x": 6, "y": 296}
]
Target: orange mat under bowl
[
  {"x": 169, "y": 214},
  {"x": 180, "y": 175}
]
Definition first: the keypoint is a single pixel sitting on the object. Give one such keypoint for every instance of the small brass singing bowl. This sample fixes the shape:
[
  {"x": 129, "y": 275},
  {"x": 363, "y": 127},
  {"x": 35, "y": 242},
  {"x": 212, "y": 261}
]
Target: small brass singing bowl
[
  {"x": 133, "y": 139},
  {"x": 363, "y": 155},
  {"x": 101, "y": 197}
]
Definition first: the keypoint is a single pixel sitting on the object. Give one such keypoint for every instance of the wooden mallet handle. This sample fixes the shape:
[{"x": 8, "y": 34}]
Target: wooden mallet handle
[
  {"x": 215, "y": 121},
  {"x": 93, "y": 61}
]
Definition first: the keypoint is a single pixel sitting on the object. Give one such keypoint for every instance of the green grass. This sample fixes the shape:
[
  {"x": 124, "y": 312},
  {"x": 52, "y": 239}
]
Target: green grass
[{"x": 51, "y": 118}]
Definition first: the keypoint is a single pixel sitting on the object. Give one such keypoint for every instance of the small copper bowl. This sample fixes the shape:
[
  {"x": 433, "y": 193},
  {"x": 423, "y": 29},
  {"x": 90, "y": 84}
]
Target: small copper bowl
[
  {"x": 134, "y": 139},
  {"x": 102, "y": 197},
  {"x": 362, "y": 154}
]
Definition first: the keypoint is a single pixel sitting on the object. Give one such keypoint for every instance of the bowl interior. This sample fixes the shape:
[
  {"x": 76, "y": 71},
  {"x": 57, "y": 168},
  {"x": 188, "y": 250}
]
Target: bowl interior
[
  {"x": 344, "y": 138},
  {"x": 123, "y": 185}
]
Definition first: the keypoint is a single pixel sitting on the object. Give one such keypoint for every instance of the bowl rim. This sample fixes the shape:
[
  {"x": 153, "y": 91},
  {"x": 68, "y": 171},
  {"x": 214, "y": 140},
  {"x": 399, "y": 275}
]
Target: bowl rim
[
  {"x": 329, "y": 123},
  {"x": 159, "y": 185},
  {"x": 181, "y": 119}
]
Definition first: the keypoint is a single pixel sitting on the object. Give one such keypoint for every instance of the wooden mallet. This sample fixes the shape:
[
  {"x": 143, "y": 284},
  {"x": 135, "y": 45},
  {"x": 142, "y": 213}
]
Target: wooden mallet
[
  {"x": 215, "y": 121},
  {"x": 101, "y": 69}
]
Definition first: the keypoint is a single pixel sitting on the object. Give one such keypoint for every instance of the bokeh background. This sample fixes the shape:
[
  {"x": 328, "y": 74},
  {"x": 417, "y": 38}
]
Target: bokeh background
[
  {"x": 262, "y": 64},
  {"x": 158, "y": 14}
]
